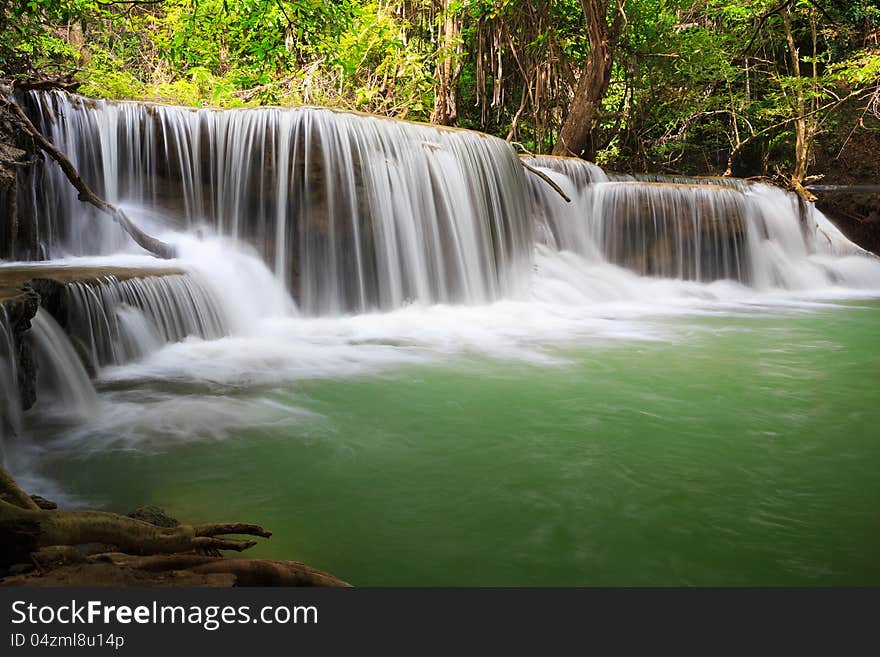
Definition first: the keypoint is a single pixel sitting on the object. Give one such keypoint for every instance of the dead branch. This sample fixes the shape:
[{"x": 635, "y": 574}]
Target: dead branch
[
  {"x": 157, "y": 247},
  {"x": 547, "y": 179},
  {"x": 761, "y": 21}
]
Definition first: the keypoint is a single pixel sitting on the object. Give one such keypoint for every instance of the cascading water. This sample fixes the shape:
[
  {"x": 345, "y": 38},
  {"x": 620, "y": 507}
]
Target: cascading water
[
  {"x": 354, "y": 212},
  {"x": 62, "y": 382},
  {"x": 694, "y": 229},
  {"x": 358, "y": 213},
  {"x": 117, "y": 321},
  {"x": 729, "y": 406},
  {"x": 10, "y": 402}
]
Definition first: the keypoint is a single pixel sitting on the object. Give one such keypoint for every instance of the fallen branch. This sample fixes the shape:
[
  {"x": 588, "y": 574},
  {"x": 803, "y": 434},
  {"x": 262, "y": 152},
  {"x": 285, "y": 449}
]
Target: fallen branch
[
  {"x": 547, "y": 179},
  {"x": 157, "y": 247}
]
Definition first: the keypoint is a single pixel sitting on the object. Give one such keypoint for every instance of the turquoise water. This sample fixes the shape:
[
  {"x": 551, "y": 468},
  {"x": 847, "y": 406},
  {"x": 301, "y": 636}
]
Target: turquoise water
[{"x": 736, "y": 450}]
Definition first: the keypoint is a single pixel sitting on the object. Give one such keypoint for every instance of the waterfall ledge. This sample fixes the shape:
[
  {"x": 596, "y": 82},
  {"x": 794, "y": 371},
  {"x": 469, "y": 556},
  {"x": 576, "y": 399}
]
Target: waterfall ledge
[{"x": 64, "y": 292}]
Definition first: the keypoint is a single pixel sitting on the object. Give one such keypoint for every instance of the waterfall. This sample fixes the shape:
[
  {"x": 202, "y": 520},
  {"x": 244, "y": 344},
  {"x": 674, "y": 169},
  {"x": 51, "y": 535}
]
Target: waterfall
[
  {"x": 700, "y": 229},
  {"x": 62, "y": 381},
  {"x": 115, "y": 321},
  {"x": 354, "y": 212},
  {"x": 10, "y": 403}
]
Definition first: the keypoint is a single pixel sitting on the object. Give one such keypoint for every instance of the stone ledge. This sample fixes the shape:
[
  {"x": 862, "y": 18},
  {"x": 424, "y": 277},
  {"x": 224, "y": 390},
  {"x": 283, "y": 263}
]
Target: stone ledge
[{"x": 14, "y": 279}]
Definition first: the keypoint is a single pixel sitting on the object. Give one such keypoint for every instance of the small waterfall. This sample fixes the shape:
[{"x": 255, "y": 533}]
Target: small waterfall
[
  {"x": 10, "y": 403},
  {"x": 115, "y": 321},
  {"x": 354, "y": 212},
  {"x": 672, "y": 230},
  {"x": 700, "y": 229},
  {"x": 62, "y": 381},
  {"x": 692, "y": 232}
]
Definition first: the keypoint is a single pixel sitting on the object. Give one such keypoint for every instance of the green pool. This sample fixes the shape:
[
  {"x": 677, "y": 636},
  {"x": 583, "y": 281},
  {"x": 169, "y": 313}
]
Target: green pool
[{"x": 740, "y": 449}]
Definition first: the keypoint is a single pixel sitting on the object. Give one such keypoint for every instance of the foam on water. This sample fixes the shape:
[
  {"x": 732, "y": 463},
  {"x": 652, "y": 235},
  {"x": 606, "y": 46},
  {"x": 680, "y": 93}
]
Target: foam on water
[{"x": 337, "y": 246}]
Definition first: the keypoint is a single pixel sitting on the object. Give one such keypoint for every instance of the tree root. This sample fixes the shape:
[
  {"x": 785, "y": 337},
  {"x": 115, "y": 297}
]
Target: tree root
[
  {"x": 11, "y": 494},
  {"x": 48, "y": 528},
  {"x": 247, "y": 572},
  {"x": 49, "y": 540}
]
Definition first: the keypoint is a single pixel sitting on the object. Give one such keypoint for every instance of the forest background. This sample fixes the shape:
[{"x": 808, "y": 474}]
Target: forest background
[{"x": 755, "y": 88}]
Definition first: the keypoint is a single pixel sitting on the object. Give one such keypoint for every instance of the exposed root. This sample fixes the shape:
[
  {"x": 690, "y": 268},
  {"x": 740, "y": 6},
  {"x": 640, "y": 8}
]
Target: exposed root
[
  {"x": 247, "y": 572},
  {"x": 59, "y": 542},
  {"x": 49, "y": 528},
  {"x": 12, "y": 494}
]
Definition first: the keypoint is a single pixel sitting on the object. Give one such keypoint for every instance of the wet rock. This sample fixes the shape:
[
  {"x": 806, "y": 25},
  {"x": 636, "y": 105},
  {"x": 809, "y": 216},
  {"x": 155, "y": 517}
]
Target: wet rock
[
  {"x": 20, "y": 163},
  {"x": 19, "y": 306}
]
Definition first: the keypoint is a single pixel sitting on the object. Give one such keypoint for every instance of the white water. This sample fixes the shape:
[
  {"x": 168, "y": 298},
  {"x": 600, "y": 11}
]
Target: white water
[
  {"x": 118, "y": 321},
  {"x": 353, "y": 213},
  {"x": 10, "y": 402},
  {"x": 334, "y": 245},
  {"x": 63, "y": 385},
  {"x": 695, "y": 229}
]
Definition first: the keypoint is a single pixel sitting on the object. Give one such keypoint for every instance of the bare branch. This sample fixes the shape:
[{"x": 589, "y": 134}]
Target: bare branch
[
  {"x": 157, "y": 247},
  {"x": 547, "y": 179},
  {"x": 761, "y": 21}
]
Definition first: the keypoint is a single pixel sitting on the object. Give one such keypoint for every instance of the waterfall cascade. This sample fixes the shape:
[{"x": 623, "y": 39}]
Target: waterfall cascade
[
  {"x": 699, "y": 229},
  {"x": 357, "y": 213},
  {"x": 61, "y": 324},
  {"x": 61, "y": 378},
  {"x": 115, "y": 321},
  {"x": 10, "y": 402},
  {"x": 353, "y": 212},
  {"x": 294, "y": 227}
]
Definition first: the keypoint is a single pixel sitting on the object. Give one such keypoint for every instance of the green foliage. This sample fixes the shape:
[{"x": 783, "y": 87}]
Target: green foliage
[{"x": 692, "y": 81}]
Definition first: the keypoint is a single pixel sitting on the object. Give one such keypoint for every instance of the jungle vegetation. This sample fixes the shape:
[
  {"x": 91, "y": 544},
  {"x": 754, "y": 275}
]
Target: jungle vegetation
[{"x": 742, "y": 87}]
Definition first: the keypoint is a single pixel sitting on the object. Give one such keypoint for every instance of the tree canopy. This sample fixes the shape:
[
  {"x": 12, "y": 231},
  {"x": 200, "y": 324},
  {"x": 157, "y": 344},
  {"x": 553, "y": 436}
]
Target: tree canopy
[{"x": 689, "y": 86}]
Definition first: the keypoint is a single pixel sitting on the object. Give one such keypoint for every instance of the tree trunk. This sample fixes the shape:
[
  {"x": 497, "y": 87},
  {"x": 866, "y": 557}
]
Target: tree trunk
[
  {"x": 445, "y": 99},
  {"x": 805, "y": 122},
  {"x": 575, "y": 137}
]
